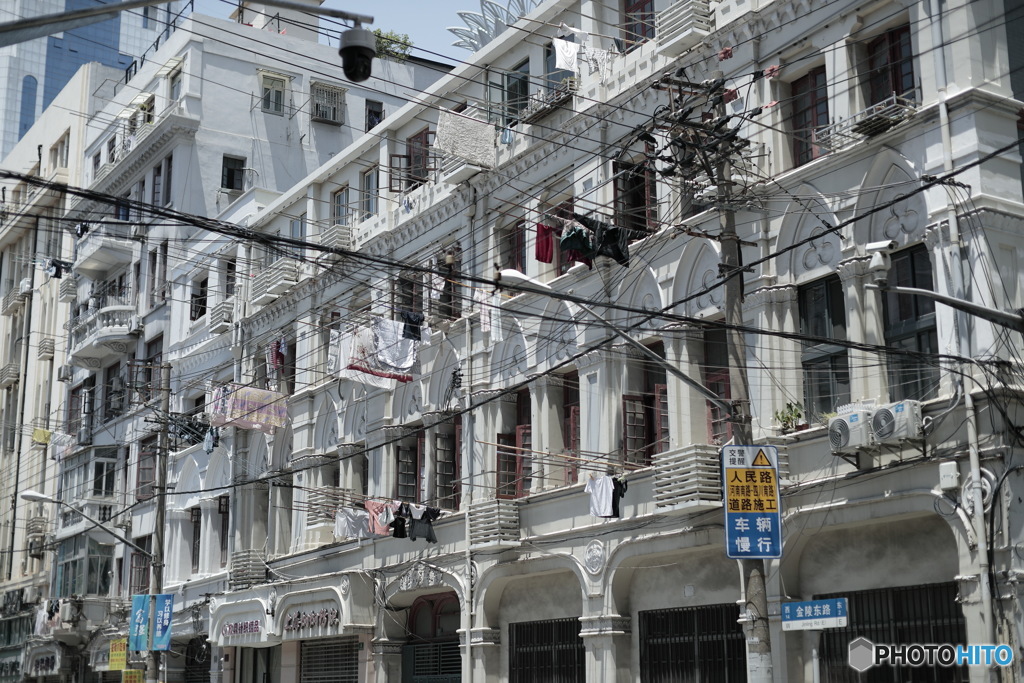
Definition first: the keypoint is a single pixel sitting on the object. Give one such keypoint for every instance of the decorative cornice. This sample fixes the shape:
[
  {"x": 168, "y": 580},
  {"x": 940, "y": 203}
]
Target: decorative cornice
[
  {"x": 605, "y": 625},
  {"x": 853, "y": 267}
]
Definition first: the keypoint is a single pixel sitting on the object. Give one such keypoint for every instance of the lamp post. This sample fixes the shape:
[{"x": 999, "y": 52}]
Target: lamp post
[{"x": 36, "y": 497}]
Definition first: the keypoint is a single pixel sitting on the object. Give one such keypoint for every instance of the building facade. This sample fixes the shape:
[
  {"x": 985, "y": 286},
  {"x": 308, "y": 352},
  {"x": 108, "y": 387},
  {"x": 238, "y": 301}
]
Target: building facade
[{"x": 385, "y": 463}]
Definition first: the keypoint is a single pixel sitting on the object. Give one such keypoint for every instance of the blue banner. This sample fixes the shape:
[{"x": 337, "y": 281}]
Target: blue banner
[
  {"x": 138, "y": 627},
  {"x": 164, "y": 614}
]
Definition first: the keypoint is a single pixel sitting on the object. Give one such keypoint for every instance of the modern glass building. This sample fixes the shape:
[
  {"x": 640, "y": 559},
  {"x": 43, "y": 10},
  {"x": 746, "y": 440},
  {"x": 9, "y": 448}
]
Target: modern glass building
[{"x": 33, "y": 72}]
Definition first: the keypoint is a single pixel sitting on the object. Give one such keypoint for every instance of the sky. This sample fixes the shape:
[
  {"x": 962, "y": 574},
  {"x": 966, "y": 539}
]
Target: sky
[{"x": 425, "y": 21}]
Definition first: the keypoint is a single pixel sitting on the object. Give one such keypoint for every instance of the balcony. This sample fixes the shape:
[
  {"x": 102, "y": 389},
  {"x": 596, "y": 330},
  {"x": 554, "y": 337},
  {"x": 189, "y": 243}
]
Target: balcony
[
  {"x": 108, "y": 329},
  {"x": 868, "y": 123},
  {"x": 221, "y": 316},
  {"x": 45, "y": 349},
  {"x": 104, "y": 247},
  {"x": 274, "y": 281},
  {"x": 9, "y": 374},
  {"x": 494, "y": 523},
  {"x": 688, "y": 479},
  {"x": 683, "y": 26},
  {"x": 71, "y": 522},
  {"x": 455, "y": 170},
  {"x": 540, "y": 105}
]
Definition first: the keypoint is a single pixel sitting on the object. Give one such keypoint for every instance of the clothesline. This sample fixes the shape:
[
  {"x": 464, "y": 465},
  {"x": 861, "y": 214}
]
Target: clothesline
[{"x": 594, "y": 461}]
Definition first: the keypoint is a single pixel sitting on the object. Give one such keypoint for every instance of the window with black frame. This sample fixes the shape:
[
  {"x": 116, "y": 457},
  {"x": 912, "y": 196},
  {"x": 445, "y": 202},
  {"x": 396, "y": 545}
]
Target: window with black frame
[
  {"x": 910, "y": 328},
  {"x": 890, "y": 62},
  {"x": 810, "y": 112},
  {"x": 826, "y": 366}
]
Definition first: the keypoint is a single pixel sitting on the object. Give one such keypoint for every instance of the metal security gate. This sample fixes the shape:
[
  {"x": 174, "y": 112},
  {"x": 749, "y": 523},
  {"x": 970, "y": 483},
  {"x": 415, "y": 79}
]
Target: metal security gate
[
  {"x": 432, "y": 663},
  {"x": 895, "y": 616},
  {"x": 549, "y": 651},
  {"x": 702, "y": 644},
  {"x": 331, "y": 660},
  {"x": 197, "y": 661}
]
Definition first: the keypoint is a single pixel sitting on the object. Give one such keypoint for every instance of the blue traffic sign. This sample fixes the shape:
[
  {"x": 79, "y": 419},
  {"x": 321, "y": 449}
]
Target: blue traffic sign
[{"x": 814, "y": 614}]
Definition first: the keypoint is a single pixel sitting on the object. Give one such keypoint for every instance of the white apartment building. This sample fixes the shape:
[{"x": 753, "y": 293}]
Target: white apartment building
[
  {"x": 290, "y": 327},
  {"x": 220, "y": 120},
  {"x": 514, "y": 404}
]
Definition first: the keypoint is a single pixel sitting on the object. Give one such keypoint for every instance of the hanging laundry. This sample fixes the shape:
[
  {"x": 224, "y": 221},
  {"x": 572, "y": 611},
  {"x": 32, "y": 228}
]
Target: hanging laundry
[
  {"x": 772, "y": 71},
  {"x": 566, "y": 55},
  {"x": 724, "y": 54},
  {"x": 399, "y": 526},
  {"x": 730, "y": 95},
  {"x": 564, "y": 31},
  {"x": 544, "y": 250},
  {"x": 374, "y": 508},
  {"x": 413, "y": 323},
  {"x": 394, "y": 349},
  {"x": 600, "y": 490},
  {"x": 248, "y": 408},
  {"x": 619, "y": 488},
  {"x": 437, "y": 282},
  {"x": 351, "y": 523},
  {"x": 609, "y": 240},
  {"x": 466, "y": 137},
  {"x": 508, "y": 136},
  {"x": 599, "y": 60},
  {"x": 212, "y": 440},
  {"x": 424, "y": 524},
  {"x": 577, "y": 238}
]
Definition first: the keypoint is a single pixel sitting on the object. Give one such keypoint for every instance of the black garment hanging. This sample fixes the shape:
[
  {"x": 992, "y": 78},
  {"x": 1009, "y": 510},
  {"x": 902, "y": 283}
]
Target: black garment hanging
[{"x": 609, "y": 240}]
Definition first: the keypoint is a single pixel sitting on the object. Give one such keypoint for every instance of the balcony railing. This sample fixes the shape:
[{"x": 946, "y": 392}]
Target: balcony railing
[
  {"x": 103, "y": 248},
  {"x": 867, "y": 123},
  {"x": 275, "y": 280},
  {"x": 688, "y": 478},
  {"x": 106, "y": 328},
  {"x": 9, "y": 374},
  {"x": 221, "y": 316},
  {"x": 494, "y": 523},
  {"x": 45, "y": 349},
  {"x": 322, "y": 502},
  {"x": 247, "y": 570},
  {"x": 682, "y": 26},
  {"x": 540, "y": 105}
]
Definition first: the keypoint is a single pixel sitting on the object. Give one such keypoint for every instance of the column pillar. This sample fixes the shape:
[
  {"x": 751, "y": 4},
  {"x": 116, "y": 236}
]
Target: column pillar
[
  {"x": 688, "y": 410},
  {"x": 607, "y": 640},
  {"x": 387, "y": 660}
]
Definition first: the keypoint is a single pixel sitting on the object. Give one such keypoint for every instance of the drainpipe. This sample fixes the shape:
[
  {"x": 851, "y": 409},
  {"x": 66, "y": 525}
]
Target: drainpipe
[
  {"x": 468, "y": 441},
  {"x": 26, "y": 330},
  {"x": 962, "y": 337}
]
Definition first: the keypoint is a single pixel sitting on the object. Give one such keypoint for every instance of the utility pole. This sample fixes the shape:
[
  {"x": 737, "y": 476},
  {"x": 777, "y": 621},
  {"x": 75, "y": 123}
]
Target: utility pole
[
  {"x": 755, "y": 598},
  {"x": 157, "y": 562}
]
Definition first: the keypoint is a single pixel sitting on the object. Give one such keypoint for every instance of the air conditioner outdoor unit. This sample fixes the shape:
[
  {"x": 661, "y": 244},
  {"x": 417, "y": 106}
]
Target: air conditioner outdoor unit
[
  {"x": 84, "y": 436},
  {"x": 67, "y": 611},
  {"x": 25, "y": 287},
  {"x": 897, "y": 422},
  {"x": 64, "y": 373},
  {"x": 850, "y": 432}
]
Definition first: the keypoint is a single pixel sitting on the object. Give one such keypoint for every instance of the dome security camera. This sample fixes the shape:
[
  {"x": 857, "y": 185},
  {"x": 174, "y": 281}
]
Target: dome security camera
[{"x": 358, "y": 48}]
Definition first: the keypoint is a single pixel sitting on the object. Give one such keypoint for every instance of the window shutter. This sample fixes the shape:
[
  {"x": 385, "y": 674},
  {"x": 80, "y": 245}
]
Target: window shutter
[
  {"x": 572, "y": 445},
  {"x": 398, "y": 172},
  {"x": 662, "y": 441},
  {"x": 506, "y": 466},
  {"x": 634, "y": 430},
  {"x": 524, "y": 460}
]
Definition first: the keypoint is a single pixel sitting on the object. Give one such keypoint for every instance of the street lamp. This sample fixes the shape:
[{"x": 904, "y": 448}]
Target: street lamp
[
  {"x": 36, "y": 497},
  {"x": 525, "y": 283}
]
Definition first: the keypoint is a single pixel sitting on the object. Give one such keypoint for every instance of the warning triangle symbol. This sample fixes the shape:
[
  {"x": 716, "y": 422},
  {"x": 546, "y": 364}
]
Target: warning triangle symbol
[{"x": 761, "y": 460}]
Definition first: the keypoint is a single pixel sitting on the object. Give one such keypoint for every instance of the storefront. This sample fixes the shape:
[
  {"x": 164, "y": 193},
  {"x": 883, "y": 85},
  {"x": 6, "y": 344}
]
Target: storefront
[
  {"x": 243, "y": 627},
  {"x": 45, "y": 662},
  {"x": 312, "y": 628}
]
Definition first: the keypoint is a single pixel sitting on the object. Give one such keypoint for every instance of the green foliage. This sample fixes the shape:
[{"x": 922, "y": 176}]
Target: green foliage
[
  {"x": 789, "y": 416},
  {"x": 393, "y": 46}
]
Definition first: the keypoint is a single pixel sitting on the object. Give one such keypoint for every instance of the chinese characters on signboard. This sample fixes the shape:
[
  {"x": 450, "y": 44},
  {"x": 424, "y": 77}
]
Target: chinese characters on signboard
[{"x": 753, "y": 520}]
